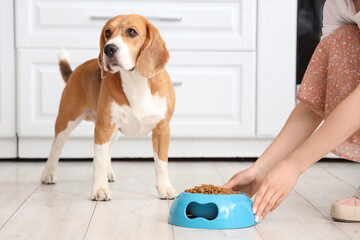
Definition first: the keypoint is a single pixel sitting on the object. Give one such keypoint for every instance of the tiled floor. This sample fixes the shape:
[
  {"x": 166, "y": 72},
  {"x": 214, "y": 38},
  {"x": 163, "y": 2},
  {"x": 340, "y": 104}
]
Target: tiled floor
[{"x": 29, "y": 210}]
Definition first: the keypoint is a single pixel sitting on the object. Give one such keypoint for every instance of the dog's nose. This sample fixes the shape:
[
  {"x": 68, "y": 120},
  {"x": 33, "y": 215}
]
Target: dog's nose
[{"x": 110, "y": 50}]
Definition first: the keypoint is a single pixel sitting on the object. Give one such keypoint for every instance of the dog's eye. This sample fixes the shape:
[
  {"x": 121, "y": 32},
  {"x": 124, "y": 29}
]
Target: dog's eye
[
  {"x": 107, "y": 33},
  {"x": 131, "y": 32}
]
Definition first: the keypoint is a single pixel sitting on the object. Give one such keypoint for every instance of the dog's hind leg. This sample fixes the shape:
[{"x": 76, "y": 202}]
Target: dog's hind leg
[
  {"x": 65, "y": 124},
  {"x": 114, "y": 138}
]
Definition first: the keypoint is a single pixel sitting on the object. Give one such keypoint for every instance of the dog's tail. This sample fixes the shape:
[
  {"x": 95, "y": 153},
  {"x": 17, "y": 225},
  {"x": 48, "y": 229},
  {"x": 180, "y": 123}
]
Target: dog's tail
[{"x": 64, "y": 64}]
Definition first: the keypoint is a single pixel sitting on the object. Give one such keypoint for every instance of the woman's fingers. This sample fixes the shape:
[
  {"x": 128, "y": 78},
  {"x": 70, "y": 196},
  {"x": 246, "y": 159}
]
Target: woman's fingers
[
  {"x": 229, "y": 184},
  {"x": 271, "y": 203},
  {"x": 259, "y": 198},
  {"x": 235, "y": 181},
  {"x": 268, "y": 201},
  {"x": 232, "y": 182},
  {"x": 263, "y": 204},
  {"x": 278, "y": 202}
]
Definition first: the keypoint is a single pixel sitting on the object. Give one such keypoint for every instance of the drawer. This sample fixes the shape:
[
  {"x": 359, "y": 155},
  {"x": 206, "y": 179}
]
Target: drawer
[
  {"x": 197, "y": 25},
  {"x": 215, "y": 93}
]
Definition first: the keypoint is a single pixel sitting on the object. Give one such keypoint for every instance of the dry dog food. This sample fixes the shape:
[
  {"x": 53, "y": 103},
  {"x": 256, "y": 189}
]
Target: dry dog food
[{"x": 210, "y": 189}]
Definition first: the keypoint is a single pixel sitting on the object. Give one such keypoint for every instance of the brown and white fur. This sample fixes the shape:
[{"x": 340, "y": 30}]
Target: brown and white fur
[{"x": 127, "y": 90}]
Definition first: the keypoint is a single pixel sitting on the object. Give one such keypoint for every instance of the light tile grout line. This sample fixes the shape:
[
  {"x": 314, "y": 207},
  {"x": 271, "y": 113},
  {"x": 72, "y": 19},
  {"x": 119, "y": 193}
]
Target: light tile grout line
[
  {"x": 330, "y": 220},
  {"x": 259, "y": 232},
  {"x": 337, "y": 177},
  {"x": 172, "y": 226},
  {"x": 20, "y": 207},
  {"x": 217, "y": 170},
  {"x": 92, "y": 215}
]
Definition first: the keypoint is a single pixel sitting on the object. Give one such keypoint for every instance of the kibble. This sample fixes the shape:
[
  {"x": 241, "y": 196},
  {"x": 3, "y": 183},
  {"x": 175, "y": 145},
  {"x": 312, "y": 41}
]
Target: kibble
[{"x": 210, "y": 189}]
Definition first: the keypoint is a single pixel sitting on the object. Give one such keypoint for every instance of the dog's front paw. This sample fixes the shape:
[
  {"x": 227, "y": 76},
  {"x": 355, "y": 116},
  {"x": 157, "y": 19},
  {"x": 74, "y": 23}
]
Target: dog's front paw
[
  {"x": 166, "y": 192},
  {"x": 48, "y": 178},
  {"x": 111, "y": 176},
  {"x": 101, "y": 194}
]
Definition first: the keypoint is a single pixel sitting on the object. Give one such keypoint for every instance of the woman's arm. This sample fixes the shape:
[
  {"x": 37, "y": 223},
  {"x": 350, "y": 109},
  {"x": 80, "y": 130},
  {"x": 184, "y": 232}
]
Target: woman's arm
[
  {"x": 339, "y": 126},
  {"x": 301, "y": 123}
]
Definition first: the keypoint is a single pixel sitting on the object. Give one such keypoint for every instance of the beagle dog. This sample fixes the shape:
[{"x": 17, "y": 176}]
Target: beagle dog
[{"x": 127, "y": 90}]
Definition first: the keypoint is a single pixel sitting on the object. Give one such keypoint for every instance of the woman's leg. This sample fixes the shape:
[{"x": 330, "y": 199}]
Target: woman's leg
[{"x": 343, "y": 47}]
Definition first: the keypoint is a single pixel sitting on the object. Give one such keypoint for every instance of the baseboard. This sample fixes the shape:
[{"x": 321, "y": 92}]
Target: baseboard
[
  {"x": 142, "y": 148},
  {"x": 8, "y": 147}
]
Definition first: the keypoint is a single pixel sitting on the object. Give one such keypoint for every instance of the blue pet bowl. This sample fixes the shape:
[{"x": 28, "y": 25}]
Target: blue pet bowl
[{"x": 212, "y": 211}]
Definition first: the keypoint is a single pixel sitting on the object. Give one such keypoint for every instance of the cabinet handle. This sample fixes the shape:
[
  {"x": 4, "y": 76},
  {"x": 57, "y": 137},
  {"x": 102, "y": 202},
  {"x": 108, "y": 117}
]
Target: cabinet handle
[
  {"x": 164, "y": 19},
  {"x": 177, "y": 83},
  {"x": 100, "y": 17}
]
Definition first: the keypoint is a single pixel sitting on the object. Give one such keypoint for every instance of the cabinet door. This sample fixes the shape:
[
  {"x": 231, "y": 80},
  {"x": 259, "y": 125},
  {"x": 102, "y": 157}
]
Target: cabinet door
[
  {"x": 215, "y": 93},
  {"x": 39, "y": 91},
  {"x": 190, "y": 25},
  {"x": 7, "y": 81},
  {"x": 276, "y": 65}
]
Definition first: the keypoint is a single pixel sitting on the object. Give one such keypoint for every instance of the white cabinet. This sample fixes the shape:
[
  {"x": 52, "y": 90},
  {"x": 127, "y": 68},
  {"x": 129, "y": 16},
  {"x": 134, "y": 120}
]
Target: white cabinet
[
  {"x": 8, "y": 144},
  {"x": 276, "y": 65},
  {"x": 184, "y": 25},
  {"x": 215, "y": 96},
  {"x": 223, "y": 54}
]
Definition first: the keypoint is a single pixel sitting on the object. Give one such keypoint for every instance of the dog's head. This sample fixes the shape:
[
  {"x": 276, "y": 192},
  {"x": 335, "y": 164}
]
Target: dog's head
[{"x": 131, "y": 41}]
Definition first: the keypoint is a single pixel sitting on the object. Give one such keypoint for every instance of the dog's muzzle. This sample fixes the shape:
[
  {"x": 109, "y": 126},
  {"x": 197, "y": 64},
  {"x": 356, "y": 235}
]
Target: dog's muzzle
[{"x": 110, "y": 50}]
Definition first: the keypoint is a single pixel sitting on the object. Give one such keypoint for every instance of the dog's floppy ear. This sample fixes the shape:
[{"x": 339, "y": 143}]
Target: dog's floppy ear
[
  {"x": 153, "y": 54},
  {"x": 100, "y": 58}
]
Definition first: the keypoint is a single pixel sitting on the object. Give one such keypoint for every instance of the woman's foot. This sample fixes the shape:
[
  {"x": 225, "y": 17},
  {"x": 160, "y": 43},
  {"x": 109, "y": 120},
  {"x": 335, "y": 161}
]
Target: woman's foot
[{"x": 347, "y": 210}]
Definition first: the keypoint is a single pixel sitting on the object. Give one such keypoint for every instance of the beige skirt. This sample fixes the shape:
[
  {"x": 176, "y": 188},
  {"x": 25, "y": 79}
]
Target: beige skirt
[{"x": 333, "y": 73}]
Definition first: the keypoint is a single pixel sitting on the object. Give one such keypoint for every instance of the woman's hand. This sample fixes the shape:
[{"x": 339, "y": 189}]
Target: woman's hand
[
  {"x": 247, "y": 181},
  {"x": 275, "y": 187}
]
